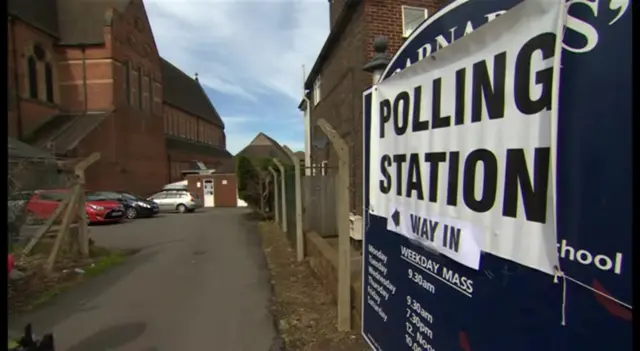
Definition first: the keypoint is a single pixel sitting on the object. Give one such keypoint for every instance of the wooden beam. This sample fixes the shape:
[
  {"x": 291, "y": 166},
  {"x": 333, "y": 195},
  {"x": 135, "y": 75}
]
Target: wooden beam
[
  {"x": 83, "y": 235},
  {"x": 82, "y": 165},
  {"x": 298, "y": 189},
  {"x": 64, "y": 228},
  {"x": 45, "y": 228},
  {"x": 342, "y": 212},
  {"x": 283, "y": 194}
]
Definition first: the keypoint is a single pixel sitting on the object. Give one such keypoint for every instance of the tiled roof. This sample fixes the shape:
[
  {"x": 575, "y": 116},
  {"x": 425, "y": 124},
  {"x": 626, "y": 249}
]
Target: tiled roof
[
  {"x": 83, "y": 21},
  {"x": 186, "y": 93},
  {"x": 71, "y": 21},
  {"x": 272, "y": 150},
  {"x": 192, "y": 147},
  {"x": 18, "y": 149},
  {"x": 62, "y": 133},
  {"x": 41, "y": 14}
]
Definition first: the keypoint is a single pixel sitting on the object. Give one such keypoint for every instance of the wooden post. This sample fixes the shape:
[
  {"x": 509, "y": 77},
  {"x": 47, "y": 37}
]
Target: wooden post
[
  {"x": 45, "y": 228},
  {"x": 83, "y": 236},
  {"x": 275, "y": 194},
  {"x": 283, "y": 194},
  {"x": 298, "y": 189},
  {"x": 344, "y": 239},
  {"x": 64, "y": 228}
]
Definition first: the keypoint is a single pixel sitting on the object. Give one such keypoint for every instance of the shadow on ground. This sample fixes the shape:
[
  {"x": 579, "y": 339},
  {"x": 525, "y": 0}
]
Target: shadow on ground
[
  {"x": 111, "y": 337},
  {"x": 75, "y": 300}
]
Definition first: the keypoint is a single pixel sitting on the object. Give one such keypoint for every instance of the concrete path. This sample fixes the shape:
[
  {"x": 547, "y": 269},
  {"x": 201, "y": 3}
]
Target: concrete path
[{"x": 199, "y": 283}]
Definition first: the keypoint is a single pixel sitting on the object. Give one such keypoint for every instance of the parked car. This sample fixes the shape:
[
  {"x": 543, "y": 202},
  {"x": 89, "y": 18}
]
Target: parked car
[
  {"x": 176, "y": 200},
  {"x": 44, "y": 202},
  {"x": 134, "y": 206},
  {"x": 16, "y": 204}
]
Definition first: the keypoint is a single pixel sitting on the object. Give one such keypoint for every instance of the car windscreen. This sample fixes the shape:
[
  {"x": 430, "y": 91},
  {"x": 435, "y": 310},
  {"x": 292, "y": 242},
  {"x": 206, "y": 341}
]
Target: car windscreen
[
  {"x": 132, "y": 197},
  {"x": 95, "y": 197}
]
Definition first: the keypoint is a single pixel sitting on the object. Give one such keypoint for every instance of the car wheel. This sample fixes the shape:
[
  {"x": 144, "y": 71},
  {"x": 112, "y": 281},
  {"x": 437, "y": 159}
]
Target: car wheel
[
  {"x": 181, "y": 208},
  {"x": 131, "y": 213}
]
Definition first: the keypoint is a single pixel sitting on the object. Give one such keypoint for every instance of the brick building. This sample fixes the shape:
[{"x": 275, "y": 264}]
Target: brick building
[
  {"x": 86, "y": 76},
  {"x": 337, "y": 80}
]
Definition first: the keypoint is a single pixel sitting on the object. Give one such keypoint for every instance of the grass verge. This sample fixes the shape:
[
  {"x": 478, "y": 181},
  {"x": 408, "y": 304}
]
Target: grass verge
[
  {"x": 35, "y": 289},
  {"x": 306, "y": 313}
]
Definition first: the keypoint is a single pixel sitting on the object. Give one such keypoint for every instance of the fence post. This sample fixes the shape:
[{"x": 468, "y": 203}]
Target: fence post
[
  {"x": 283, "y": 196},
  {"x": 298, "y": 188},
  {"x": 83, "y": 235},
  {"x": 275, "y": 194},
  {"x": 342, "y": 217}
]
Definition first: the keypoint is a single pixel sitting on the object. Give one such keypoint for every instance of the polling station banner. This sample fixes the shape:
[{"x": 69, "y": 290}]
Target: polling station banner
[{"x": 462, "y": 150}]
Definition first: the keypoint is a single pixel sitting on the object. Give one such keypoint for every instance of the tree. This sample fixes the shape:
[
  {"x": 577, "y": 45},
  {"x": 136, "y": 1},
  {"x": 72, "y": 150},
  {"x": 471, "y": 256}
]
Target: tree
[{"x": 247, "y": 177}]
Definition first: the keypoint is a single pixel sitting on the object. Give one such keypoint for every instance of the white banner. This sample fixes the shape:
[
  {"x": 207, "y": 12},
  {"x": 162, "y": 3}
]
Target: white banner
[{"x": 463, "y": 143}]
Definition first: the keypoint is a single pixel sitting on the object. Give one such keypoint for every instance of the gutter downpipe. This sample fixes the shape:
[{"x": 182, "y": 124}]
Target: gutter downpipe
[
  {"x": 16, "y": 81},
  {"x": 307, "y": 127},
  {"x": 84, "y": 80}
]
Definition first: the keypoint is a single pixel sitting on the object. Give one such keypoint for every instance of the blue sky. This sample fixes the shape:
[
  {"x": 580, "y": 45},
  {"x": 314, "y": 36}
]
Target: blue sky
[{"x": 249, "y": 57}]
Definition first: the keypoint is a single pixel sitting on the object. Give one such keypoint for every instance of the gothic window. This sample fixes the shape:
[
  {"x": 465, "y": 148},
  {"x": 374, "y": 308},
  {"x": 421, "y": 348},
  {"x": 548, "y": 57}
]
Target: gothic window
[
  {"x": 127, "y": 81},
  {"x": 140, "y": 88},
  {"x": 151, "y": 93},
  {"x": 32, "y": 73},
  {"x": 48, "y": 81}
]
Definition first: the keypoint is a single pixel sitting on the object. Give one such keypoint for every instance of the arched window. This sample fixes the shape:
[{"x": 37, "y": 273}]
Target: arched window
[
  {"x": 140, "y": 72},
  {"x": 48, "y": 81},
  {"x": 127, "y": 81},
  {"x": 151, "y": 93},
  {"x": 32, "y": 73}
]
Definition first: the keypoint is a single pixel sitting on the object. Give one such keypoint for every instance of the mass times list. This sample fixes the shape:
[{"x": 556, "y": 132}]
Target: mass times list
[
  {"x": 418, "y": 335},
  {"x": 379, "y": 288}
]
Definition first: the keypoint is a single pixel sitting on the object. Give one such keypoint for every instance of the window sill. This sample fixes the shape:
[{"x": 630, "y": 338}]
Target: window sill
[{"x": 40, "y": 102}]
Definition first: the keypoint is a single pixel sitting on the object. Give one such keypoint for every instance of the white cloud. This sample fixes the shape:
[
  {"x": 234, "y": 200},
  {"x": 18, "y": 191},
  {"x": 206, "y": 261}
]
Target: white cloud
[{"x": 245, "y": 48}]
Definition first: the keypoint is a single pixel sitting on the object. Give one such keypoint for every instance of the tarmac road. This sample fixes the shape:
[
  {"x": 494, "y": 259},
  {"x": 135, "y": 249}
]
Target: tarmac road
[{"x": 200, "y": 282}]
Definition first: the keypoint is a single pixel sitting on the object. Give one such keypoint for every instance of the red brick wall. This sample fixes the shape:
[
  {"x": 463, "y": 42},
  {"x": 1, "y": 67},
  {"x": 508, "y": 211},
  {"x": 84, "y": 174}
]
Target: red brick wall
[
  {"x": 384, "y": 17},
  {"x": 343, "y": 80},
  {"x": 132, "y": 140},
  {"x": 90, "y": 69},
  {"x": 182, "y": 124},
  {"x": 33, "y": 112},
  {"x": 225, "y": 195}
]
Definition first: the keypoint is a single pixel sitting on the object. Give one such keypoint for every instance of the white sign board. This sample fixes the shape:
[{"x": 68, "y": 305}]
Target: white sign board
[{"x": 463, "y": 143}]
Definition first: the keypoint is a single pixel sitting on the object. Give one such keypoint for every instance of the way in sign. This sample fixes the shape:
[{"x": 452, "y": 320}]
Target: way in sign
[
  {"x": 452, "y": 237},
  {"x": 426, "y": 228}
]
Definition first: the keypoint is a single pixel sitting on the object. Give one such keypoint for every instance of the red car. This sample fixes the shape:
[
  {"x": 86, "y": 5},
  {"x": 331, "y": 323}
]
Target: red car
[{"x": 44, "y": 202}]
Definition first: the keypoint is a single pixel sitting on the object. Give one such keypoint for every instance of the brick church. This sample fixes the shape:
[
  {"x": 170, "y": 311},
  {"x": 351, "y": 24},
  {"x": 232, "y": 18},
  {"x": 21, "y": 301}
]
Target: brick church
[{"x": 85, "y": 76}]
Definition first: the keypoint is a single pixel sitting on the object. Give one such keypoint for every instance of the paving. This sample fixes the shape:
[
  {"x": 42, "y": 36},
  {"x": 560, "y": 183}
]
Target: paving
[{"x": 199, "y": 282}]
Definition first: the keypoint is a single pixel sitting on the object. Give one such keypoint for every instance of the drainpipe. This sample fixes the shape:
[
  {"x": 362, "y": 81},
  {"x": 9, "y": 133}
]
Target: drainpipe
[
  {"x": 84, "y": 80},
  {"x": 16, "y": 80},
  {"x": 307, "y": 127}
]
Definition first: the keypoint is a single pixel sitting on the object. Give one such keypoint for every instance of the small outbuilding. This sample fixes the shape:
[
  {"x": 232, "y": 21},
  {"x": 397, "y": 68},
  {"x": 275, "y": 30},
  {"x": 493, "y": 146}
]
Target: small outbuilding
[{"x": 219, "y": 189}]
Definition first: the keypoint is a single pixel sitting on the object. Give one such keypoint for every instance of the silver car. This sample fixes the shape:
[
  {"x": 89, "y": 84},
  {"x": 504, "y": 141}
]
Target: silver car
[{"x": 176, "y": 201}]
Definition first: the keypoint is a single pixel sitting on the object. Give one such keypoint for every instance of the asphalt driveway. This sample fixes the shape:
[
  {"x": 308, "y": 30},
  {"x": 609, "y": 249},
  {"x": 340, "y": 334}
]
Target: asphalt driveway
[{"x": 199, "y": 282}]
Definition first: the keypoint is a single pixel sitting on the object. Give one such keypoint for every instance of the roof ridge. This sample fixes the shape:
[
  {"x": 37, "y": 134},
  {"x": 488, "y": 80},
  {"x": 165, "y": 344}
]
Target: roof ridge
[
  {"x": 186, "y": 93},
  {"x": 210, "y": 103}
]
